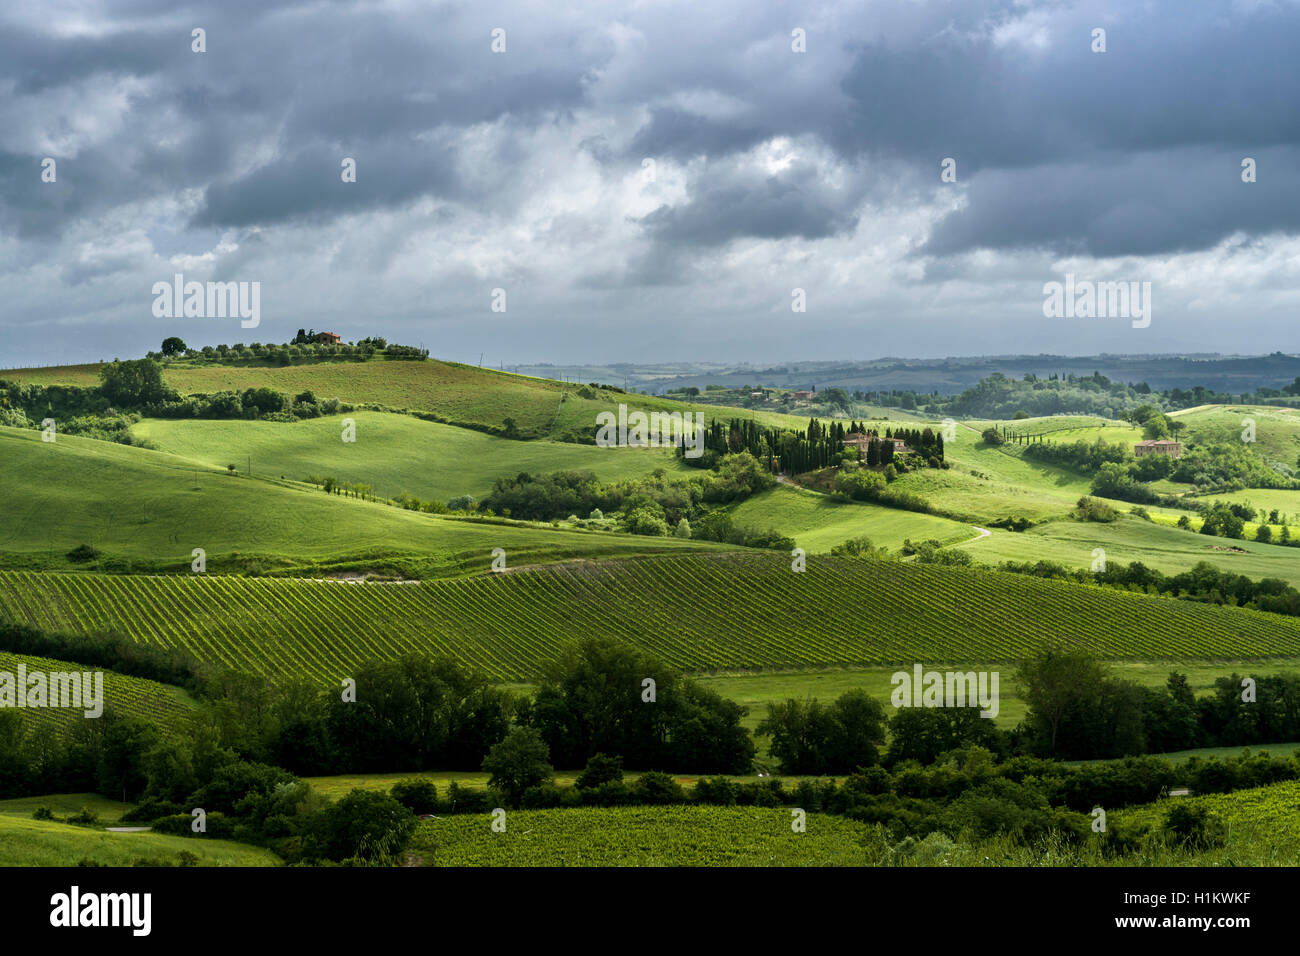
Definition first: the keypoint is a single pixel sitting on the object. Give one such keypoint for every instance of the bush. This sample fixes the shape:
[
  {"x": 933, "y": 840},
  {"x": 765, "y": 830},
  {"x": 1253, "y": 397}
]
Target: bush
[
  {"x": 84, "y": 816},
  {"x": 418, "y": 796},
  {"x": 656, "y": 787},
  {"x": 718, "y": 791},
  {"x": 82, "y": 553},
  {"x": 601, "y": 770},
  {"x": 1193, "y": 827},
  {"x": 1093, "y": 509}
]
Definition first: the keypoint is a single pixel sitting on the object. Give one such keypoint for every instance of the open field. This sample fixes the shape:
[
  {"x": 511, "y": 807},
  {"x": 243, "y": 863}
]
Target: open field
[
  {"x": 1157, "y": 545},
  {"x": 393, "y": 453},
  {"x": 340, "y": 785},
  {"x": 1277, "y": 430},
  {"x": 642, "y": 836},
  {"x": 732, "y": 612},
  {"x": 756, "y": 691},
  {"x": 818, "y": 522},
  {"x": 149, "y": 510},
  {"x": 67, "y": 804},
  {"x": 28, "y": 842},
  {"x": 987, "y": 482}
]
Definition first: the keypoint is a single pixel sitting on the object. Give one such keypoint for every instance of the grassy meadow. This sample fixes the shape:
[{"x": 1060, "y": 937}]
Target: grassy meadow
[
  {"x": 392, "y": 453},
  {"x": 147, "y": 510},
  {"x": 28, "y": 842}
]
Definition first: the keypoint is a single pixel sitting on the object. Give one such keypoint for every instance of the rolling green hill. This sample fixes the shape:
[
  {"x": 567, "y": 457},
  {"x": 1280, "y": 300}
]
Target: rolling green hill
[
  {"x": 818, "y": 522},
  {"x": 455, "y": 393},
  {"x": 147, "y": 510},
  {"x": 1277, "y": 430},
  {"x": 744, "y": 611},
  {"x": 1160, "y": 546},
  {"x": 26, "y": 842},
  {"x": 393, "y": 453}
]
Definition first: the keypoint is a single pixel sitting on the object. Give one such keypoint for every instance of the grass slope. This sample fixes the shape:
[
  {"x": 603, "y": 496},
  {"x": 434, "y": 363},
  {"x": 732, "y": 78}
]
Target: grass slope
[
  {"x": 1157, "y": 545},
  {"x": 730, "y": 612},
  {"x": 393, "y": 453},
  {"x": 26, "y": 842},
  {"x": 818, "y": 522},
  {"x": 144, "y": 507}
]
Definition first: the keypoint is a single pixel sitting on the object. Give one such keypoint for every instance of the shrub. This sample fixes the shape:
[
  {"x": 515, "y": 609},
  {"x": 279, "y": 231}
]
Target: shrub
[
  {"x": 418, "y": 796},
  {"x": 82, "y": 553},
  {"x": 1193, "y": 827},
  {"x": 1093, "y": 509},
  {"x": 656, "y": 787}
]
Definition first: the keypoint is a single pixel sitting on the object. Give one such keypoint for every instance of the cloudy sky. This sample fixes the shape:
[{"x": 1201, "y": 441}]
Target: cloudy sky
[{"x": 650, "y": 181}]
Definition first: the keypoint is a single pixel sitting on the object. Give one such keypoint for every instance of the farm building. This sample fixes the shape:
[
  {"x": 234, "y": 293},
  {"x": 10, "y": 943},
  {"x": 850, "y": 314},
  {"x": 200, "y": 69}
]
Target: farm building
[
  {"x": 1162, "y": 446},
  {"x": 860, "y": 441},
  {"x": 329, "y": 338},
  {"x": 803, "y": 395}
]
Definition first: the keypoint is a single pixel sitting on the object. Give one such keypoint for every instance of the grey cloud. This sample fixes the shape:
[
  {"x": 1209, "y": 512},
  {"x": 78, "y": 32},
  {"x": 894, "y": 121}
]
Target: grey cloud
[{"x": 727, "y": 204}]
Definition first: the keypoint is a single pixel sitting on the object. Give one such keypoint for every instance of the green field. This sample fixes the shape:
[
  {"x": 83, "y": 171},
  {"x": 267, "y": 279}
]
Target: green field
[
  {"x": 986, "y": 483},
  {"x": 108, "y": 811},
  {"x": 1277, "y": 430},
  {"x": 1131, "y": 539},
  {"x": 756, "y": 691},
  {"x": 393, "y": 453},
  {"x": 819, "y": 522},
  {"x": 28, "y": 842},
  {"x": 340, "y": 785},
  {"x": 642, "y": 836},
  {"x": 723, "y": 613},
  {"x": 148, "y": 510},
  {"x": 168, "y": 707}
]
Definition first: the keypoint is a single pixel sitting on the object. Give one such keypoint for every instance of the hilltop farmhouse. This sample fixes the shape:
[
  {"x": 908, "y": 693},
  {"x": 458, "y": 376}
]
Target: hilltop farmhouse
[{"x": 1162, "y": 446}]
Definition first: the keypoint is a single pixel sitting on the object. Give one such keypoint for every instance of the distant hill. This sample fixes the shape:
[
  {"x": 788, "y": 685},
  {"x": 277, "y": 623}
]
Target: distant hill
[
  {"x": 948, "y": 376},
  {"x": 479, "y": 398}
]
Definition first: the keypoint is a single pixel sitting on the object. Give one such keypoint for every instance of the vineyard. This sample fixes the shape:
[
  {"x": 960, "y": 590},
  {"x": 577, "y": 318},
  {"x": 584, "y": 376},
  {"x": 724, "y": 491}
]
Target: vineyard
[
  {"x": 643, "y": 836},
  {"x": 1271, "y": 813},
  {"x": 699, "y": 613},
  {"x": 123, "y": 697}
]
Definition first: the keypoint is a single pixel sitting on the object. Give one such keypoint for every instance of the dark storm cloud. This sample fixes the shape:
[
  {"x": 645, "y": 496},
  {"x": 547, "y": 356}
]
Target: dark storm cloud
[
  {"x": 308, "y": 185},
  {"x": 477, "y": 169},
  {"x": 1174, "y": 201},
  {"x": 728, "y": 204},
  {"x": 1131, "y": 151},
  {"x": 304, "y": 86},
  {"x": 684, "y": 136}
]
